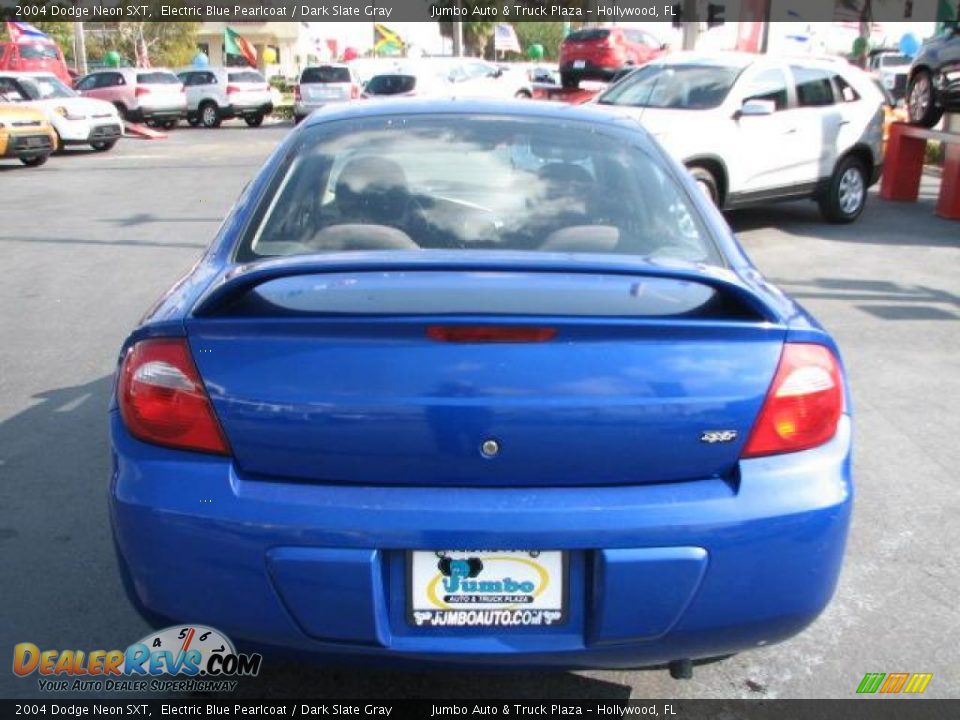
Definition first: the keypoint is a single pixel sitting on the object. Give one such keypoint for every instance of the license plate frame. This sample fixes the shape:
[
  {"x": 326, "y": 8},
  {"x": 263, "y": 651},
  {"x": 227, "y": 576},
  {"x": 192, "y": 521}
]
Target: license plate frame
[
  {"x": 579, "y": 64},
  {"x": 537, "y": 594}
]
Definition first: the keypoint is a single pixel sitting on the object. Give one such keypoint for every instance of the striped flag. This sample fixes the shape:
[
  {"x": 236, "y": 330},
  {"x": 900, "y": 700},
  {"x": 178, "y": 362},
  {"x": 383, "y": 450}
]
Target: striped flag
[
  {"x": 24, "y": 31},
  {"x": 505, "y": 39},
  {"x": 235, "y": 44}
]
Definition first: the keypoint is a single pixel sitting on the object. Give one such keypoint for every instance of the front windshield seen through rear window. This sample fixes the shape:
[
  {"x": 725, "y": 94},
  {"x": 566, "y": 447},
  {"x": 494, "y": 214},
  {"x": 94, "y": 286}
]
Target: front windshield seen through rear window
[
  {"x": 675, "y": 87},
  {"x": 476, "y": 183},
  {"x": 46, "y": 88}
]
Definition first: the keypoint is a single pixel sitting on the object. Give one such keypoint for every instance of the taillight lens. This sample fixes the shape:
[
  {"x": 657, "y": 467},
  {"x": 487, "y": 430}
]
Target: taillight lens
[
  {"x": 141, "y": 90},
  {"x": 163, "y": 401},
  {"x": 804, "y": 403},
  {"x": 232, "y": 89}
]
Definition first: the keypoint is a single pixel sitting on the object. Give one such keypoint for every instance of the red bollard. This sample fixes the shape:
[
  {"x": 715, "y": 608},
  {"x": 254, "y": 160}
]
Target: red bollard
[
  {"x": 948, "y": 204},
  {"x": 903, "y": 165}
]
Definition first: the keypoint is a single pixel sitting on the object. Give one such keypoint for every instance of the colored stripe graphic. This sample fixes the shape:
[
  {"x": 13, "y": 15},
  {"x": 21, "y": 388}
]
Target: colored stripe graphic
[
  {"x": 894, "y": 682},
  {"x": 871, "y": 682},
  {"x": 918, "y": 682}
]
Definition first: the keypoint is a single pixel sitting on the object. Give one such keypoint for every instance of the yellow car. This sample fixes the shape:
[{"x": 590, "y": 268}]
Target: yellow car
[{"x": 25, "y": 134}]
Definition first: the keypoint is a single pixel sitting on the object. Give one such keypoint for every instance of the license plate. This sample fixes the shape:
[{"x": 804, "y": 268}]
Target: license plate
[
  {"x": 486, "y": 588},
  {"x": 579, "y": 64}
]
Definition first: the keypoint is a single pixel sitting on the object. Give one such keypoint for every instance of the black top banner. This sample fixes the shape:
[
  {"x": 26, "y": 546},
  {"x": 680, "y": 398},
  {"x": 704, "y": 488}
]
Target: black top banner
[
  {"x": 472, "y": 709},
  {"x": 578, "y": 11}
]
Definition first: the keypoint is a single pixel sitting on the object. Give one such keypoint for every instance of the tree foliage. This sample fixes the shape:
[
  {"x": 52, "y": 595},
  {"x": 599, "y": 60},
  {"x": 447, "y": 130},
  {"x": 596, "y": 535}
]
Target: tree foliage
[{"x": 167, "y": 43}]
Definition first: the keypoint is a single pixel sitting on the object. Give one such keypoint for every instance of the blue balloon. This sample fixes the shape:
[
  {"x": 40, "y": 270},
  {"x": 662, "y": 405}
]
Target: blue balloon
[
  {"x": 201, "y": 60},
  {"x": 910, "y": 44}
]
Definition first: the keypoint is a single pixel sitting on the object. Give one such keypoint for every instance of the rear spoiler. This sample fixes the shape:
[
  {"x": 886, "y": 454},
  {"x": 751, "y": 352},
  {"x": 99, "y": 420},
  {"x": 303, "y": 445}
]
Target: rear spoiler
[{"x": 236, "y": 281}]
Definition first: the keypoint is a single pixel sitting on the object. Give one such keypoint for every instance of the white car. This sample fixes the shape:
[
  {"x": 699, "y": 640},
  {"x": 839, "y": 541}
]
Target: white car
[
  {"x": 754, "y": 129},
  {"x": 480, "y": 79},
  {"x": 77, "y": 120},
  {"x": 215, "y": 94},
  {"x": 415, "y": 80}
]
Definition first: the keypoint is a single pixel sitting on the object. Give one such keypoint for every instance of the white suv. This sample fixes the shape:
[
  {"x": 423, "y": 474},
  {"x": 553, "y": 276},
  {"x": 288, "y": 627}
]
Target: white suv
[
  {"x": 215, "y": 94},
  {"x": 754, "y": 129}
]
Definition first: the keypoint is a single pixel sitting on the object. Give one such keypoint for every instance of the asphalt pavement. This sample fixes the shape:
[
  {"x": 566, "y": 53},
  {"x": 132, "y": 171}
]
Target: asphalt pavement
[{"x": 90, "y": 240}]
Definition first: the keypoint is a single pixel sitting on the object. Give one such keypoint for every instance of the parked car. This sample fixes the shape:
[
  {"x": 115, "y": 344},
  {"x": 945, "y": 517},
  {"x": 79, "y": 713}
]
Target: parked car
[
  {"x": 321, "y": 85},
  {"x": 406, "y": 342},
  {"x": 934, "y": 86},
  {"x": 76, "y": 120},
  {"x": 475, "y": 78},
  {"x": 778, "y": 129},
  {"x": 215, "y": 94},
  {"x": 424, "y": 80},
  {"x": 25, "y": 133},
  {"x": 600, "y": 53},
  {"x": 32, "y": 55},
  {"x": 891, "y": 68},
  {"x": 151, "y": 95}
]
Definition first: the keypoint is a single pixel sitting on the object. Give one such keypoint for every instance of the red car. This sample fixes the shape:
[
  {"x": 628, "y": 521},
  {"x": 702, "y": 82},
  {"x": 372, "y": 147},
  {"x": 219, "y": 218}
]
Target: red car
[
  {"x": 30, "y": 55},
  {"x": 599, "y": 53}
]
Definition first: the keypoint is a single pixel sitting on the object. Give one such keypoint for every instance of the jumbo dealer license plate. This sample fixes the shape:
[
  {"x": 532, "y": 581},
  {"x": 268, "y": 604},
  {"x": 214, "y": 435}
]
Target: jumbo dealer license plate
[{"x": 486, "y": 588}]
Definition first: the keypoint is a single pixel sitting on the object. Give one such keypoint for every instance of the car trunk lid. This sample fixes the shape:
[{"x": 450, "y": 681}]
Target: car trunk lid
[{"x": 405, "y": 376}]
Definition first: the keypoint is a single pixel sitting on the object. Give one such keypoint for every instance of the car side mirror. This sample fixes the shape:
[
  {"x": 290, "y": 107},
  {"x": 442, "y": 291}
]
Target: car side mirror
[{"x": 756, "y": 108}]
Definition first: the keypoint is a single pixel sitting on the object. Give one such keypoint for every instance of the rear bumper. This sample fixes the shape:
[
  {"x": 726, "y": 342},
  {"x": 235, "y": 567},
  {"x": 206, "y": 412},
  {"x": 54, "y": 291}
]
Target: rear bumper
[
  {"x": 657, "y": 572},
  {"x": 236, "y": 110},
  {"x": 163, "y": 112},
  {"x": 591, "y": 70}
]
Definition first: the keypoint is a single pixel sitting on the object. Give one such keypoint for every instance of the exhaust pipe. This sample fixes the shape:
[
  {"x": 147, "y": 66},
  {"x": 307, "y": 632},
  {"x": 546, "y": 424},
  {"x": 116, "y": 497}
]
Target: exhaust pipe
[{"x": 681, "y": 669}]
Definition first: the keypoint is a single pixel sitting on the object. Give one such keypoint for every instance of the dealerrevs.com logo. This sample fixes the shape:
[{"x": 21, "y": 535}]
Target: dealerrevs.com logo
[{"x": 191, "y": 658}]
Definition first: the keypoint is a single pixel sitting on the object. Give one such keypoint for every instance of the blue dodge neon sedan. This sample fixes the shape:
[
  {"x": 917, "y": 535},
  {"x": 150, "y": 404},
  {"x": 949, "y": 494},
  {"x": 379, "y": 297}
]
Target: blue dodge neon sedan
[{"x": 482, "y": 383}]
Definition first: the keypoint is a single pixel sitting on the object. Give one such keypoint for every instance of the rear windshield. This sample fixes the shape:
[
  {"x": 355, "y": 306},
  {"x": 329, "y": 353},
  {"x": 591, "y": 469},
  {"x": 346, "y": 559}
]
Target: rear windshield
[
  {"x": 391, "y": 84},
  {"x": 476, "y": 183},
  {"x": 325, "y": 74},
  {"x": 589, "y": 34},
  {"x": 34, "y": 52},
  {"x": 678, "y": 87},
  {"x": 245, "y": 77},
  {"x": 157, "y": 78}
]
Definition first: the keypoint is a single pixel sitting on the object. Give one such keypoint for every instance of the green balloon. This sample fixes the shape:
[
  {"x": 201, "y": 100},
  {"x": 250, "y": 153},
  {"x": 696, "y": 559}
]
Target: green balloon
[
  {"x": 860, "y": 46},
  {"x": 112, "y": 58},
  {"x": 535, "y": 52}
]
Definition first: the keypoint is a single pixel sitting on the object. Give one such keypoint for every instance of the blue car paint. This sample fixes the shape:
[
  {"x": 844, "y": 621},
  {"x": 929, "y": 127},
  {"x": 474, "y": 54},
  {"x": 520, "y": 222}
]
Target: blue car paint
[{"x": 657, "y": 571}]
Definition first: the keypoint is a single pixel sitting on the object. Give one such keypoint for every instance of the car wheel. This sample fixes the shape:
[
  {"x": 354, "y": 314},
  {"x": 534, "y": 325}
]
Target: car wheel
[
  {"x": 569, "y": 80},
  {"x": 169, "y": 124},
  {"x": 254, "y": 120},
  {"x": 103, "y": 145},
  {"x": 209, "y": 115},
  {"x": 707, "y": 183},
  {"x": 124, "y": 113},
  {"x": 522, "y": 95},
  {"x": 35, "y": 161},
  {"x": 922, "y": 101},
  {"x": 846, "y": 194}
]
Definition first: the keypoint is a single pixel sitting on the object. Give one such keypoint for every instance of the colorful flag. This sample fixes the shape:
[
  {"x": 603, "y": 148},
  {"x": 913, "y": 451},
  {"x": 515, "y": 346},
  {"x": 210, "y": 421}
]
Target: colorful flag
[
  {"x": 24, "y": 31},
  {"x": 235, "y": 44},
  {"x": 386, "y": 39},
  {"x": 505, "y": 39}
]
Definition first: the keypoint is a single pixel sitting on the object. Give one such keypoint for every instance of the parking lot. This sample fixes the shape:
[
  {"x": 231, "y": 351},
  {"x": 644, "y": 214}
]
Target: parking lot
[{"x": 90, "y": 240}]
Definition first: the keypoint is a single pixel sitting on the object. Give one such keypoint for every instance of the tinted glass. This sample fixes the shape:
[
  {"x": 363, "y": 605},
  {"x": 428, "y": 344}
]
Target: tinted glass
[
  {"x": 325, "y": 74},
  {"x": 479, "y": 182},
  {"x": 770, "y": 85},
  {"x": 391, "y": 84},
  {"x": 157, "y": 78},
  {"x": 10, "y": 91},
  {"x": 814, "y": 86},
  {"x": 246, "y": 77},
  {"x": 45, "y": 88},
  {"x": 588, "y": 34},
  {"x": 33, "y": 52},
  {"x": 680, "y": 87}
]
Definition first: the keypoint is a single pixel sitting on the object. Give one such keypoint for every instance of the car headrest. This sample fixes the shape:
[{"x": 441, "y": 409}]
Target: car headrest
[
  {"x": 356, "y": 236},
  {"x": 372, "y": 188},
  {"x": 583, "y": 238}
]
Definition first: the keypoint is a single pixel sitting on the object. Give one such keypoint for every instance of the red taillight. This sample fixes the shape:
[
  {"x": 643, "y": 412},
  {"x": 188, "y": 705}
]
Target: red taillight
[
  {"x": 296, "y": 93},
  {"x": 803, "y": 405},
  {"x": 489, "y": 333},
  {"x": 162, "y": 399},
  {"x": 232, "y": 89},
  {"x": 141, "y": 90}
]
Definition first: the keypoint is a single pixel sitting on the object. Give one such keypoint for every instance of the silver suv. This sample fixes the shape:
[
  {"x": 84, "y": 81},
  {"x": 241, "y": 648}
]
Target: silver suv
[
  {"x": 320, "y": 85},
  {"x": 215, "y": 94}
]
